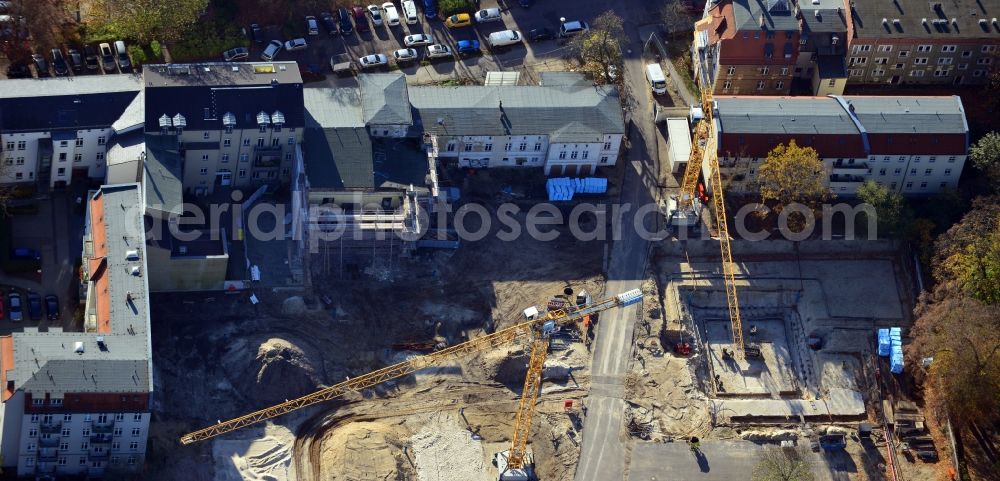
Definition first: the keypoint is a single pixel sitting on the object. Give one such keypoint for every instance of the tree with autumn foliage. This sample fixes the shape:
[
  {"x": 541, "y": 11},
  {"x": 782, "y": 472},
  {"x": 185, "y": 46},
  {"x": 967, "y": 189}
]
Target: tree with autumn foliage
[
  {"x": 792, "y": 174},
  {"x": 144, "y": 20},
  {"x": 600, "y": 47}
]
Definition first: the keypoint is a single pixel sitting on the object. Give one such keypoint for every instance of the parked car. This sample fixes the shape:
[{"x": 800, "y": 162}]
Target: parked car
[
  {"x": 345, "y": 21},
  {"x": 539, "y": 34},
  {"x": 52, "y": 307},
  {"x": 468, "y": 47},
  {"x": 458, "y": 20},
  {"x": 41, "y": 65},
  {"x": 410, "y": 12},
  {"x": 3, "y": 314},
  {"x": 295, "y": 44},
  {"x": 234, "y": 54},
  {"x": 16, "y": 308},
  {"x": 430, "y": 9},
  {"x": 391, "y": 14},
  {"x": 5, "y": 6},
  {"x": 438, "y": 51},
  {"x": 75, "y": 59},
  {"x": 34, "y": 306},
  {"x": 360, "y": 20},
  {"x": 256, "y": 34},
  {"x": 18, "y": 70},
  {"x": 418, "y": 40},
  {"x": 329, "y": 23},
  {"x": 487, "y": 15},
  {"x": 272, "y": 50},
  {"x": 90, "y": 57},
  {"x": 312, "y": 25},
  {"x": 376, "y": 14},
  {"x": 59, "y": 65},
  {"x": 568, "y": 29},
  {"x": 123, "y": 60},
  {"x": 24, "y": 253},
  {"x": 404, "y": 55},
  {"x": 504, "y": 38},
  {"x": 526, "y": 3},
  {"x": 374, "y": 60},
  {"x": 107, "y": 57}
]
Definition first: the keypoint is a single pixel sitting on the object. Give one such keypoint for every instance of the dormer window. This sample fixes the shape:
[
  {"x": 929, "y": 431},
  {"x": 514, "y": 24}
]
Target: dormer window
[
  {"x": 179, "y": 123},
  {"x": 277, "y": 120},
  {"x": 229, "y": 122},
  {"x": 263, "y": 120},
  {"x": 165, "y": 123}
]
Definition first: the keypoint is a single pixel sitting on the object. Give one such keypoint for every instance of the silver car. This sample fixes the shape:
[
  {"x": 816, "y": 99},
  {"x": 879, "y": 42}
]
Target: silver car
[
  {"x": 438, "y": 51},
  {"x": 374, "y": 60},
  {"x": 404, "y": 55},
  {"x": 272, "y": 50},
  {"x": 418, "y": 40}
]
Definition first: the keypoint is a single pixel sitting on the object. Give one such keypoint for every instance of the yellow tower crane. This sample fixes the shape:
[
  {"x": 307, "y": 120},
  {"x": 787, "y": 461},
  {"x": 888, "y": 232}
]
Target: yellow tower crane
[
  {"x": 703, "y": 150},
  {"x": 540, "y": 326}
]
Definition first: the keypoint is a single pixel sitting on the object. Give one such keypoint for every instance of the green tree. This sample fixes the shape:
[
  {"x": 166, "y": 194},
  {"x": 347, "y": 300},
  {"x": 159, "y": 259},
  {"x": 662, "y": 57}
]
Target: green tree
[
  {"x": 961, "y": 336},
  {"x": 985, "y": 155},
  {"x": 144, "y": 20},
  {"x": 600, "y": 47},
  {"x": 792, "y": 174},
  {"x": 977, "y": 268},
  {"x": 451, "y": 7},
  {"x": 782, "y": 464},
  {"x": 979, "y": 224},
  {"x": 893, "y": 214}
]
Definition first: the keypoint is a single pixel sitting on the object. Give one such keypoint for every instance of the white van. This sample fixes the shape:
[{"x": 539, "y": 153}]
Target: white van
[
  {"x": 504, "y": 38},
  {"x": 391, "y": 15},
  {"x": 410, "y": 12},
  {"x": 657, "y": 81}
]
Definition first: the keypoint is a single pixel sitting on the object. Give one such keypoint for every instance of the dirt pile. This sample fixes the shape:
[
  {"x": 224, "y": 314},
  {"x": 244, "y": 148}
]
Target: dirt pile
[
  {"x": 278, "y": 369},
  {"x": 365, "y": 451},
  {"x": 445, "y": 451}
]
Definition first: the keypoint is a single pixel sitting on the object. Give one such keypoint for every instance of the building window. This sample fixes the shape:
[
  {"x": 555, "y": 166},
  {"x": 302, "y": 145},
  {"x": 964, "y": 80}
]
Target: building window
[
  {"x": 79, "y": 142},
  {"x": 204, "y": 156},
  {"x": 920, "y": 61},
  {"x": 468, "y": 147},
  {"x": 225, "y": 158},
  {"x": 604, "y": 159},
  {"x": 133, "y": 446},
  {"x": 949, "y": 48},
  {"x": 764, "y": 70},
  {"x": 885, "y": 48},
  {"x": 288, "y": 156},
  {"x": 117, "y": 432},
  {"x": 897, "y": 66},
  {"x": 913, "y": 171},
  {"x": 584, "y": 155},
  {"x": 63, "y": 446},
  {"x": 263, "y": 128},
  {"x": 881, "y": 60},
  {"x": 21, "y": 145},
  {"x": 858, "y": 61},
  {"x": 945, "y": 61},
  {"x": 102, "y": 140},
  {"x": 116, "y": 445},
  {"x": 523, "y": 146},
  {"x": 260, "y": 141},
  {"x": 898, "y": 171},
  {"x": 275, "y": 142},
  {"x": 131, "y": 460},
  {"x": 227, "y": 142},
  {"x": 61, "y": 172},
  {"x": 963, "y": 66},
  {"x": 832, "y": 82},
  {"x": 62, "y": 461},
  {"x": 928, "y": 171},
  {"x": 86, "y": 432},
  {"x": 244, "y": 157},
  {"x": 119, "y": 417},
  {"x": 229, "y": 129},
  {"x": 243, "y": 173},
  {"x": 978, "y": 73},
  {"x": 62, "y": 156},
  {"x": 988, "y": 49},
  {"x": 923, "y": 185},
  {"x": 573, "y": 155},
  {"x": 33, "y": 433},
  {"x": 10, "y": 145},
  {"x": 291, "y": 141},
  {"x": 65, "y": 431},
  {"x": 732, "y": 70},
  {"x": 203, "y": 171},
  {"x": 942, "y": 72},
  {"x": 489, "y": 147},
  {"x": 984, "y": 61},
  {"x": 37, "y": 402},
  {"x": 909, "y": 185},
  {"x": 881, "y": 172},
  {"x": 780, "y": 84},
  {"x": 760, "y": 85},
  {"x": 84, "y": 445},
  {"x": 904, "y": 53},
  {"x": 538, "y": 146},
  {"x": 77, "y": 157},
  {"x": 450, "y": 147},
  {"x": 923, "y": 48},
  {"x": 727, "y": 85},
  {"x": 246, "y": 141},
  {"x": 916, "y": 73},
  {"x": 506, "y": 146},
  {"x": 205, "y": 135},
  {"x": 18, "y": 175},
  {"x": 947, "y": 171},
  {"x": 67, "y": 417}
]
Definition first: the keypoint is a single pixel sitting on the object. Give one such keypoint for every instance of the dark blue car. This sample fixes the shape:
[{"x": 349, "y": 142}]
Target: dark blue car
[
  {"x": 430, "y": 9},
  {"x": 468, "y": 47},
  {"x": 34, "y": 306},
  {"x": 25, "y": 253}
]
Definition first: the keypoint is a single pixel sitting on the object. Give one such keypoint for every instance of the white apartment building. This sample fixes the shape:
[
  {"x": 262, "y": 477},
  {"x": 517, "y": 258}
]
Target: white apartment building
[
  {"x": 238, "y": 124},
  {"x": 56, "y": 130},
  {"x": 913, "y": 145},
  {"x": 77, "y": 403}
]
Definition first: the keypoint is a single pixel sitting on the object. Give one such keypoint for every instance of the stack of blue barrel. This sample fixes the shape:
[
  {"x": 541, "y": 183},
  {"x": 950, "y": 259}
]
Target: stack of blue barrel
[{"x": 890, "y": 344}]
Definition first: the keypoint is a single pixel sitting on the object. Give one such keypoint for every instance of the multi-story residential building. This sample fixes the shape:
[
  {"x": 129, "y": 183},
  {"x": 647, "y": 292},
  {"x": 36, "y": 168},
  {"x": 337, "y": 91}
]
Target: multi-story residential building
[
  {"x": 77, "y": 403},
  {"x": 921, "y": 42},
  {"x": 747, "y": 47},
  {"x": 56, "y": 130},
  {"x": 913, "y": 145},
  {"x": 237, "y": 124},
  {"x": 822, "y": 45}
]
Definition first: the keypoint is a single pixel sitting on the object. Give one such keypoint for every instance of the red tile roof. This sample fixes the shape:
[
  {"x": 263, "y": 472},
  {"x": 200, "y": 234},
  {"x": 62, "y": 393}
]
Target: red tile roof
[{"x": 6, "y": 363}]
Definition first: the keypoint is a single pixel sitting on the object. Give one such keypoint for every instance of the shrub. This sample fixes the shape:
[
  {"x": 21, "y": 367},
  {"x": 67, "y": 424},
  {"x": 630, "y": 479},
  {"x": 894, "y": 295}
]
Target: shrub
[
  {"x": 451, "y": 7},
  {"x": 137, "y": 54},
  {"x": 208, "y": 42},
  {"x": 156, "y": 49}
]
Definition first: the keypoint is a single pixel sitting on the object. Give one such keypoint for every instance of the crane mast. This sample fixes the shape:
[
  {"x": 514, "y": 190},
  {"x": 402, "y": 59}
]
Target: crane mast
[
  {"x": 480, "y": 344},
  {"x": 703, "y": 150}
]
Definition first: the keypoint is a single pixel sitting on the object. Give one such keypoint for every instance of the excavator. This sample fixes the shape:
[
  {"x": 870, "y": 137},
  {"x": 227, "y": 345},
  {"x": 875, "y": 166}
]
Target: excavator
[{"x": 539, "y": 323}]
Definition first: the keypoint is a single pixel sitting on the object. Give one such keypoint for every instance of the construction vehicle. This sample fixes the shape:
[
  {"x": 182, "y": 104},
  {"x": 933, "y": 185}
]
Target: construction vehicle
[
  {"x": 703, "y": 150},
  {"x": 512, "y": 463}
]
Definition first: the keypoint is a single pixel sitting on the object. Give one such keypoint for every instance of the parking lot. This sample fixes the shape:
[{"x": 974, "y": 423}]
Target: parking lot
[{"x": 543, "y": 55}]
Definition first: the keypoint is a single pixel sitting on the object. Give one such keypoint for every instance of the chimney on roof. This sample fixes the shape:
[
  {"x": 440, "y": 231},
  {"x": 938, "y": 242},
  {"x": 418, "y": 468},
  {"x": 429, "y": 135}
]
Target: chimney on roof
[{"x": 274, "y": 82}]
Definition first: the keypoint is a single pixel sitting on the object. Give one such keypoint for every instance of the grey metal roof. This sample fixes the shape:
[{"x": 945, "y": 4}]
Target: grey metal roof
[
  {"x": 926, "y": 115},
  {"x": 868, "y": 15},
  {"x": 348, "y": 159},
  {"x": 128, "y": 147},
  {"x": 579, "y": 111},
  {"x": 556, "y": 79},
  {"x": 220, "y": 73},
  {"x": 133, "y": 116},
  {"x": 777, "y": 15},
  {"x": 788, "y": 115},
  {"x": 384, "y": 99},
  {"x": 45, "y": 362},
  {"x": 333, "y": 108},
  {"x": 162, "y": 174},
  {"x": 65, "y": 103},
  {"x": 824, "y": 16}
]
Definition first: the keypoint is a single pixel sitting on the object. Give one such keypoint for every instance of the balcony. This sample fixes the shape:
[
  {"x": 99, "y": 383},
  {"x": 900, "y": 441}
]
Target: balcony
[
  {"x": 102, "y": 428},
  {"x": 54, "y": 427},
  {"x": 96, "y": 455},
  {"x": 848, "y": 168},
  {"x": 846, "y": 178},
  {"x": 48, "y": 442},
  {"x": 267, "y": 156},
  {"x": 101, "y": 438}
]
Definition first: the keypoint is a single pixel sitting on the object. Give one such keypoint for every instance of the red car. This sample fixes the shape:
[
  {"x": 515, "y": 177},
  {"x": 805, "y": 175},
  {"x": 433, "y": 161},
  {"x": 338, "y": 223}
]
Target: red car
[{"x": 360, "y": 19}]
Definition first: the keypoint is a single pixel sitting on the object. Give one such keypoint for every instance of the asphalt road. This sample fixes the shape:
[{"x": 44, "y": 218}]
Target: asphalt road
[
  {"x": 602, "y": 456},
  {"x": 721, "y": 461}
]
